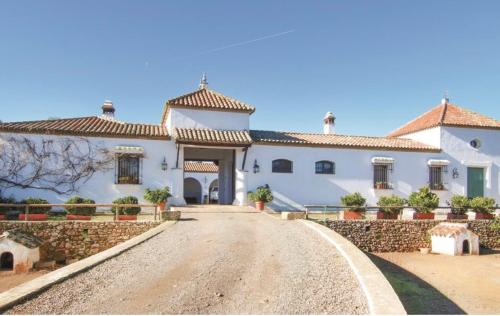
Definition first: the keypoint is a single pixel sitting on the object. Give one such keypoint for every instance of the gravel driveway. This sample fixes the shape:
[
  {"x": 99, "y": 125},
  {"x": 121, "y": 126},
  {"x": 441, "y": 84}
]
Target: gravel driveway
[{"x": 229, "y": 262}]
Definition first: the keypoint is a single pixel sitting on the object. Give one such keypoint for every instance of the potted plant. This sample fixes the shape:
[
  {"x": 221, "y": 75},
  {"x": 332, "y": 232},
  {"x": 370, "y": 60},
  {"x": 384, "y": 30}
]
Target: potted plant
[
  {"x": 424, "y": 202},
  {"x": 36, "y": 213},
  {"x": 158, "y": 196},
  {"x": 355, "y": 205},
  {"x": 379, "y": 185},
  {"x": 261, "y": 196},
  {"x": 459, "y": 206},
  {"x": 80, "y": 213},
  {"x": 483, "y": 206},
  {"x": 126, "y": 213},
  {"x": 390, "y": 207}
]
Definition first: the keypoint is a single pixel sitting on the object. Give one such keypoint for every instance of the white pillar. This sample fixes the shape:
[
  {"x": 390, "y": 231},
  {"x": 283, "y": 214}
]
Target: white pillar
[
  {"x": 177, "y": 198},
  {"x": 241, "y": 188}
]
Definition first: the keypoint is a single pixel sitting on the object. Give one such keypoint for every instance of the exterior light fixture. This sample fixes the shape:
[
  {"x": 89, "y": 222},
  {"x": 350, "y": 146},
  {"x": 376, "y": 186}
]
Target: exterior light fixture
[
  {"x": 455, "y": 173},
  {"x": 256, "y": 167},
  {"x": 164, "y": 164}
]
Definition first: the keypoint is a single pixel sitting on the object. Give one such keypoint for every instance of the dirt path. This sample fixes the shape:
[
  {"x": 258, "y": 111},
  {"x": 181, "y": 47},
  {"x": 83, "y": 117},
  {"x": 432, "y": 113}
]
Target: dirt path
[
  {"x": 439, "y": 284},
  {"x": 214, "y": 263},
  {"x": 9, "y": 279}
]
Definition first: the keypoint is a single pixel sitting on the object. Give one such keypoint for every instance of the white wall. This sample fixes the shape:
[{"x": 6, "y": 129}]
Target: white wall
[
  {"x": 430, "y": 136},
  {"x": 456, "y": 148},
  {"x": 189, "y": 118},
  {"x": 101, "y": 187},
  {"x": 354, "y": 173}
]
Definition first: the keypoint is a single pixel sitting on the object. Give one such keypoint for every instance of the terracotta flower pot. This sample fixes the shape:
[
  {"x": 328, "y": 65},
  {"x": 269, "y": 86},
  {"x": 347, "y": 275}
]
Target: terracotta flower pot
[
  {"x": 348, "y": 214},
  {"x": 74, "y": 217},
  {"x": 456, "y": 216},
  {"x": 259, "y": 205},
  {"x": 162, "y": 205},
  {"x": 484, "y": 215},
  {"x": 34, "y": 217},
  {"x": 127, "y": 217},
  {"x": 384, "y": 215},
  {"x": 423, "y": 215},
  {"x": 2, "y": 217}
]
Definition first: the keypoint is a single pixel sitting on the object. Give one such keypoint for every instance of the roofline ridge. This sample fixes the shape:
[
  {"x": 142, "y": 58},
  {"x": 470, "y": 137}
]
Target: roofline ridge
[
  {"x": 52, "y": 120},
  {"x": 322, "y": 134},
  {"x": 413, "y": 120},
  {"x": 231, "y": 98}
]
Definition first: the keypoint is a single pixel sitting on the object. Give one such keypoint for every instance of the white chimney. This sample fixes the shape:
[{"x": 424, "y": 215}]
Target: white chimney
[
  {"x": 108, "y": 110},
  {"x": 329, "y": 123}
]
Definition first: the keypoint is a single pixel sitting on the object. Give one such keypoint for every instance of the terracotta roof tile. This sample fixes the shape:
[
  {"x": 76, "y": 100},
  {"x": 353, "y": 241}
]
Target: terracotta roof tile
[
  {"x": 206, "y": 99},
  {"x": 212, "y": 137},
  {"x": 87, "y": 126},
  {"x": 447, "y": 114},
  {"x": 333, "y": 140},
  {"x": 204, "y": 167}
]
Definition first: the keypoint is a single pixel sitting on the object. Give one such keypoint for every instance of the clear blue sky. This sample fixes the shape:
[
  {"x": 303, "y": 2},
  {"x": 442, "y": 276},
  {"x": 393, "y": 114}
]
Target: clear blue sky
[{"x": 375, "y": 64}]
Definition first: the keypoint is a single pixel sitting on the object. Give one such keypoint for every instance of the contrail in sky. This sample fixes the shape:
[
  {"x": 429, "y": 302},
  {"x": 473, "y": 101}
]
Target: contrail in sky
[{"x": 213, "y": 50}]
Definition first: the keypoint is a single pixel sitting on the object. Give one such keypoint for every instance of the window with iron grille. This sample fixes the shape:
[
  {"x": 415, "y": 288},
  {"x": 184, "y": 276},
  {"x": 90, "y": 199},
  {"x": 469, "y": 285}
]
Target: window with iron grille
[
  {"x": 128, "y": 169},
  {"x": 436, "y": 177},
  {"x": 381, "y": 176},
  {"x": 325, "y": 167},
  {"x": 282, "y": 166}
]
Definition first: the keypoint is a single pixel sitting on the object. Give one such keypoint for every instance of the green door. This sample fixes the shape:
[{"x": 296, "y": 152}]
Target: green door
[{"x": 475, "y": 182}]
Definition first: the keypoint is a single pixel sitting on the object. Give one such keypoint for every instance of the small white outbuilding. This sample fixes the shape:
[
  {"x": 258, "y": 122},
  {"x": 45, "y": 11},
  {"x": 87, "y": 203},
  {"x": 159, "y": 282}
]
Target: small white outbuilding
[
  {"x": 19, "y": 250},
  {"x": 454, "y": 239}
]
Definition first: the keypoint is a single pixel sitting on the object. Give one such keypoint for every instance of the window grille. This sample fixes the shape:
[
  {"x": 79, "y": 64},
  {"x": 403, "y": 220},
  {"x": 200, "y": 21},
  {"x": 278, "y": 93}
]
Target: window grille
[
  {"x": 381, "y": 176},
  {"x": 128, "y": 169},
  {"x": 282, "y": 166},
  {"x": 325, "y": 167},
  {"x": 436, "y": 177}
]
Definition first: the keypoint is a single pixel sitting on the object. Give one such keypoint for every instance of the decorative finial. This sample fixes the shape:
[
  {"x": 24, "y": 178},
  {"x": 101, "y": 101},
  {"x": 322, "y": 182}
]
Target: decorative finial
[
  {"x": 445, "y": 99},
  {"x": 203, "y": 81}
]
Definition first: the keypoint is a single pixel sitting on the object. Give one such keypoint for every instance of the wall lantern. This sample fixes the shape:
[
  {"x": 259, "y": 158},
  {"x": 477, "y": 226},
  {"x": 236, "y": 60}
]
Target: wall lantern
[
  {"x": 256, "y": 167},
  {"x": 455, "y": 173},
  {"x": 164, "y": 164}
]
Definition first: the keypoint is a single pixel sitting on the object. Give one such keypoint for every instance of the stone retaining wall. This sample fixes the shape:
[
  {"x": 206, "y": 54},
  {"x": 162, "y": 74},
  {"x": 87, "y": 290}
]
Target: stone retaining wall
[
  {"x": 76, "y": 240},
  {"x": 404, "y": 235}
]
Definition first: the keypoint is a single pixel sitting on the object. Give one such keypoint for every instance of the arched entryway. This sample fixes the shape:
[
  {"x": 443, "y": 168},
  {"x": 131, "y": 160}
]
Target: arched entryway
[
  {"x": 6, "y": 261},
  {"x": 465, "y": 247},
  {"x": 192, "y": 191}
]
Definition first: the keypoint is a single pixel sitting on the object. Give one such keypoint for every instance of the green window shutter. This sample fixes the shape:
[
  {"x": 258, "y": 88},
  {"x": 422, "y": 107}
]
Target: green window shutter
[{"x": 475, "y": 182}]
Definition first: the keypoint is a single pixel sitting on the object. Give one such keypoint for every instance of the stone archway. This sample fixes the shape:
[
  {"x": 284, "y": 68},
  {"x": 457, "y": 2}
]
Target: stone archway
[
  {"x": 192, "y": 191},
  {"x": 7, "y": 261}
]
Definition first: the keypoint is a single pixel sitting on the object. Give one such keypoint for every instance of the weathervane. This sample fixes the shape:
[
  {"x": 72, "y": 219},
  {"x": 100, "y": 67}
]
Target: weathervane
[{"x": 203, "y": 81}]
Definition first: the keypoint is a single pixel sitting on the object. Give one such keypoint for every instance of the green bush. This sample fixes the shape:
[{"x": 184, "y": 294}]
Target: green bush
[
  {"x": 483, "y": 205},
  {"x": 423, "y": 201},
  {"x": 126, "y": 210},
  {"x": 5, "y": 200},
  {"x": 87, "y": 211},
  {"x": 261, "y": 194},
  {"x": 38, "y": 209},
  {"x": 156, "y": 196},
  {"x": 459, "y": 204},
  {"x": 354, "y": 201},
  {"x": 395, "y": 203},
  {"x": 495, "y": 225}
]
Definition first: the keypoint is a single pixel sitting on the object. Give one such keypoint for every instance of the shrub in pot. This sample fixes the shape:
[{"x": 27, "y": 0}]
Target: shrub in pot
[
  {"x": 260, "y": 196},
  {"x": 158, "y": 196},
  {"x": 423, "y": 202},
  {"x": 459, "y": 206},
  {"x": 483, "y": 206},
  {"x": 390, "y": 206},
  {"x": 126, "y": 213},
  {"x": 80, "y": 213},
  {"x": 36, "y": 213},
  {"x": 354, "y": 204}
]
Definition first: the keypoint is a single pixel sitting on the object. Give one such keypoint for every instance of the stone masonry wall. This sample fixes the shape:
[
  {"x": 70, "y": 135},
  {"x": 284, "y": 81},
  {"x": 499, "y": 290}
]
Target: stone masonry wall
[
  {"x": 77, "y": 240},
  {"x": 404, "y": 235}
]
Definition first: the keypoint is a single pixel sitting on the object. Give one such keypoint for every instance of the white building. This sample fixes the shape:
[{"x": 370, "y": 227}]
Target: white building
[{"x": 454, "y": 150}]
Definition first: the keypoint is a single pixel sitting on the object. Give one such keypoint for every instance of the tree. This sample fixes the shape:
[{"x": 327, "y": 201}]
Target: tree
[{"x": 59, "y": 165}]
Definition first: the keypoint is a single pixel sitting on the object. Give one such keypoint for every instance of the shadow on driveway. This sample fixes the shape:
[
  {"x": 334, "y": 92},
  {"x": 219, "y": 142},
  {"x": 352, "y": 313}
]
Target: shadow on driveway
[{"x": 417, "y": 296}]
